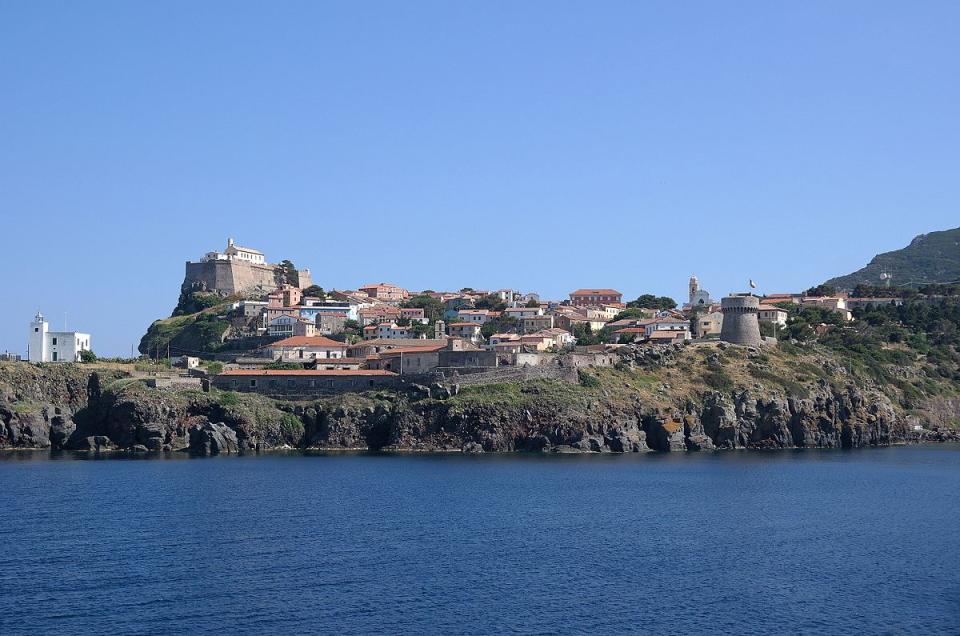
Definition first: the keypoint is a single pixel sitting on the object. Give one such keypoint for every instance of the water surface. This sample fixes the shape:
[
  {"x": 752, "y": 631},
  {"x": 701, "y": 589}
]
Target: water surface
[{"x": 861, "y": 541}]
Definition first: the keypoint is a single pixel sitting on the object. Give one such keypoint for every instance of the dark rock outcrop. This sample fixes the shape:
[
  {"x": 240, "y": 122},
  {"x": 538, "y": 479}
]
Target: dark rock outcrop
[{"x": 213, "y": 438}]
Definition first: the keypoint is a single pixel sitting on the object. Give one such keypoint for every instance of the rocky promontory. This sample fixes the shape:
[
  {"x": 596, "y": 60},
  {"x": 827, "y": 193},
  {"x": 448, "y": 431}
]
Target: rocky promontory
[{"x": 664, "y": 399}]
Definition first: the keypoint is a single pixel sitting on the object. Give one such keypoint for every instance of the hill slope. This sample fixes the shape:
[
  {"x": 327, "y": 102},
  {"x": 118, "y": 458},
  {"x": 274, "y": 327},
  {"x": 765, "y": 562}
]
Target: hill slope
[{"x": 930, "y": 258}]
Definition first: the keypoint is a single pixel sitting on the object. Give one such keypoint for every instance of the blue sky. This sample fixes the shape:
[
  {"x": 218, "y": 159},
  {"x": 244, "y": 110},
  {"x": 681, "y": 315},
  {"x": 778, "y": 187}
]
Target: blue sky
[{"x": 540, "y": 145}]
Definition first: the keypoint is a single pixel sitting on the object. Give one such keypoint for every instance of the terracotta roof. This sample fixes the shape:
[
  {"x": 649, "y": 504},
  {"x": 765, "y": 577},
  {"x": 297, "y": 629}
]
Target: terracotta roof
[
  {"x": 398, "y": 351},
  {"x": 771, "y": 308},
  {"x": 395, "y": 342},
  {"x": 464, "y": 324},
  {"x": 596, "y": 292},
  {"x": 631, "y": 330},
  {"x": 307, "y": 341},
  {"x": 305, "y": 372},
  {"x": 665, "y": 334}
]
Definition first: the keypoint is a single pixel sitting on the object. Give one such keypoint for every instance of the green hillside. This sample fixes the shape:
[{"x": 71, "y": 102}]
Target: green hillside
[{"x": 930, "y": 258}]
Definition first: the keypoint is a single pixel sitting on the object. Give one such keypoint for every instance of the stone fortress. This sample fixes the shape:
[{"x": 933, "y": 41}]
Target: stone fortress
[
  {"x": 741, "y": 321},
  {"x": 236, "y": 270}
]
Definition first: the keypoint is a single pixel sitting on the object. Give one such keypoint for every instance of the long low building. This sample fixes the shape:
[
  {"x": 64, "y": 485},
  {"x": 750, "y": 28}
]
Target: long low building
[{"x": 304, "y": 382}]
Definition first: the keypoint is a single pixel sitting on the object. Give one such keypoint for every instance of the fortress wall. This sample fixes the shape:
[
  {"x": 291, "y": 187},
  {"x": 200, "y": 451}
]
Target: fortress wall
[{"x": 229, "y": 277}]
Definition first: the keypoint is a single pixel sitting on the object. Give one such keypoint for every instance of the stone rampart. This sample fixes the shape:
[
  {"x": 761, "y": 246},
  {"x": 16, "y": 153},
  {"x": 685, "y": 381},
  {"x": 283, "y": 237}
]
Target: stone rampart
[{"x": 229, "y": 277}]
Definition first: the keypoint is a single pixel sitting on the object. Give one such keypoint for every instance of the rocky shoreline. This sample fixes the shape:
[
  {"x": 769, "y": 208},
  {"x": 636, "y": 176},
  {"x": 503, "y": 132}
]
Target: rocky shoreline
[{"x": 67, "y": 407}]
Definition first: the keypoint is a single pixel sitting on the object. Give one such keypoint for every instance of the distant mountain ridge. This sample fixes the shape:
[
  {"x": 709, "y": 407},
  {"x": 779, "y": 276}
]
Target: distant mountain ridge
[{"x": 930, "y": 258}]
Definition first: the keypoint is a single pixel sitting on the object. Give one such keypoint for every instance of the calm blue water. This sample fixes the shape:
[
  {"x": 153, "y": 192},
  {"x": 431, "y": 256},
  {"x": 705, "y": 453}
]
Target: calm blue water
[{"x": 815, "y": 542}]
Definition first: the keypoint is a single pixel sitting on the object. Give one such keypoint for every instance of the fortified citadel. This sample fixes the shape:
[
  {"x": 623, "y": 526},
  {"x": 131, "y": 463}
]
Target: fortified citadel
[{"x": 236, "y": 270}]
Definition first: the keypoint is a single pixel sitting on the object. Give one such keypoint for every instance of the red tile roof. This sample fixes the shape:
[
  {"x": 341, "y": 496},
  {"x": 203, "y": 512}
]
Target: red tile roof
[
  {"x": 399, "y": 350},
  {"x": 307, "y": 341},
  {"x": 665, "y": 334},
  {"x": 596, "y": 292},
  {"x": 306, "y": 372}
]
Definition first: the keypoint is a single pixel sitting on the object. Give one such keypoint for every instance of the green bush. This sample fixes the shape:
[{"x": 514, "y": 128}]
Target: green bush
[
  {"x": 291, "y": 427},
  {"x": 228, "y": 398},
  {"x": 588, "y": 380}
]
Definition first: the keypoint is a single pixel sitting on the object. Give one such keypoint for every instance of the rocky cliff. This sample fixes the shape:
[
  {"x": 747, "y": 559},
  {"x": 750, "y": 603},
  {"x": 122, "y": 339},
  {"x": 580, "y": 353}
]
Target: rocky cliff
[{"x": 666, "y": 399}]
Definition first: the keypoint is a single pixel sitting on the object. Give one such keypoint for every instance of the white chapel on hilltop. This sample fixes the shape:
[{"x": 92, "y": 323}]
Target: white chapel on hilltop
[
  {"x": 55, "y": 346},
  {"x": 236, "y": 253}
]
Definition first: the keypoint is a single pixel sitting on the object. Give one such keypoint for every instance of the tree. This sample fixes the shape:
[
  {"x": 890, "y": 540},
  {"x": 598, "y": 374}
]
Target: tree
[
  {"x": 583, "y": 332},
  {"x": 88, "y": 356},
  {"x": 432, "y": 307},
  {"x": 423, "y": 330},
  {"x": 767, "y": 329},
  {"x": 500, "y": 324},
  {"x": 532, "y": 303},
  {"x": 287, "y": 273},
  {"x": 316, "y": 291},
  {"x": 632, "y": 312},
  {"x": 491, "y": 302},
  {"x": 649, "y": 301},
  {"x": 820, "y": 291}
]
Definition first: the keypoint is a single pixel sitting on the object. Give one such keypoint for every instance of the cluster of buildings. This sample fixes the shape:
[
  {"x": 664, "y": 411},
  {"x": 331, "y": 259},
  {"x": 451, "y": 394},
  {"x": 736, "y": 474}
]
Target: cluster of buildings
[{"x": 385, "y": 328}]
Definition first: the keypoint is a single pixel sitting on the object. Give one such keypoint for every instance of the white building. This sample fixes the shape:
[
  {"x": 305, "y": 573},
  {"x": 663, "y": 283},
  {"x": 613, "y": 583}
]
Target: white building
[
  {"x": 769, "y": 313},
  {"x": 478, "y": 316},
  {"x": 666, "y": 324},
  {"x": 236, "y": 253},
  {"x": 287, "y": 326},
  {"x": 55, "y": 346},
  {"x": 523, "y": 312},
  {"x": 698, "y": 297}
]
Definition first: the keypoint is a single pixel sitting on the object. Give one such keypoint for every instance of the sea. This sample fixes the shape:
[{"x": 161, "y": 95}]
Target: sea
[{"x": 738, "y": 542}]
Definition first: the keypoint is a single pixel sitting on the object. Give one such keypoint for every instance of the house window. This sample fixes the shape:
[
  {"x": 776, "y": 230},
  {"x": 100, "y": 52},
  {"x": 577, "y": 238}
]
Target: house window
[
  {"x": 253, "y": 384},
  {"x": 54, "y": 342}
]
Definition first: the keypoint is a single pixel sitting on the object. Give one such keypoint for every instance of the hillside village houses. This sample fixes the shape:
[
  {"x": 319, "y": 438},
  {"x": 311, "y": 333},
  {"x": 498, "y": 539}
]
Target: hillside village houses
[{"x": 372, "y": 327}]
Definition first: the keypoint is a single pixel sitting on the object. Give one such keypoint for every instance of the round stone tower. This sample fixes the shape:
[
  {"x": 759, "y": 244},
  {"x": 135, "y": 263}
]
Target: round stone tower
[{"x": 741, "y": 324}]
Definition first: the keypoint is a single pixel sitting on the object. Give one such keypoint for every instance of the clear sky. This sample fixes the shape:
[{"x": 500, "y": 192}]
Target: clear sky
[{"x": 543, "y": 146}]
